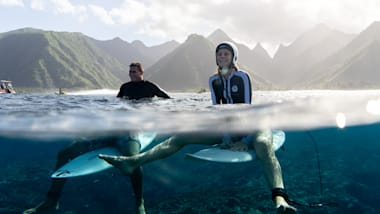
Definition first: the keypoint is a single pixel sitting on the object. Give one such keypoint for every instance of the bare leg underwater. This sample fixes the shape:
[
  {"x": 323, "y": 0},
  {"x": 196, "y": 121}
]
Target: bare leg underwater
[{"x": 262, "y": 145}]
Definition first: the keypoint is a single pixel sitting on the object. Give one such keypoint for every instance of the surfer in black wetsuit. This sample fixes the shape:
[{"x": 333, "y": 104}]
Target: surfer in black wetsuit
[
  {"x": 139, "y": 88},
  {"x": 136, "y": 89},
  {"x": 228, "y": 86}
]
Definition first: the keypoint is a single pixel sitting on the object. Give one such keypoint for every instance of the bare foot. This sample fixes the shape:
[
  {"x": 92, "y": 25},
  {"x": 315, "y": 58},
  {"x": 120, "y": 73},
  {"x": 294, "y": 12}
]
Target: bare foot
[
  {"x": 283, "y": 207},
  {"x": 125, "y": 164},
  {"x": 48, "y": 206},
  {"x": 140, "y": 210},
  {"x": 286, "y": 210}
]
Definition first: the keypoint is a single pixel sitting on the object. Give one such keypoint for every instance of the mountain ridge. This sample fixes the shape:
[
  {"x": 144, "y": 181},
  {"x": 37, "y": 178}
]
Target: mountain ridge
[{"x": 319, "y": 58}]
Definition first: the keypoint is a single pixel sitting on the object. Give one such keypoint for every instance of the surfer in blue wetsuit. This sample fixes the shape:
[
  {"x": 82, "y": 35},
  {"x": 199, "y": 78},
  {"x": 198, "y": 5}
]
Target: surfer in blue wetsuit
[
  {"x": 136, "y": 89},
  {"x": 228, "y": 86}
]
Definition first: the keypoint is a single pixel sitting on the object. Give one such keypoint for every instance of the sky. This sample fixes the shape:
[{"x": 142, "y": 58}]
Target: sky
[{"x": 270, "y": 22}]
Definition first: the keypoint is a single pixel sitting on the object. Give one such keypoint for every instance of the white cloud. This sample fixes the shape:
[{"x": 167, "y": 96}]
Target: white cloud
[
  {"x": 38, "y": 4},
  {"x": 58, "y": 7},
  {"x": 174, "y": 21},
  {"x": 102, "y": 14},
  {"x": 270, "y": 22},
  {"x": 348, "y": 15},
  {"x": 61, "y": 7},
  {"x": 130, "y": 12},
  {"x": 219, "y": 1},
  {"x": 65, "y": 6},
  {"x": 12, "y": 3}
]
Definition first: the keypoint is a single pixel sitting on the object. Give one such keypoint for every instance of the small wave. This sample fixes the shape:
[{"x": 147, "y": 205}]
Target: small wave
[{"x": 95, "y": 92}]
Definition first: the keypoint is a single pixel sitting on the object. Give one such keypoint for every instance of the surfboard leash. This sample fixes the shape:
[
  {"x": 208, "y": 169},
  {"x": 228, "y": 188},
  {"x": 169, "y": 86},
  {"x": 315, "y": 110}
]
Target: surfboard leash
[
  {"x": 319, "y": 203},
  {"x": 318, "y": 161},
  {"x": 282, "y": 192}
]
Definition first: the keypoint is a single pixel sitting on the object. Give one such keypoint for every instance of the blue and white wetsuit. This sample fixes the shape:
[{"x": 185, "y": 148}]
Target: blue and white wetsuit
[{"x": 235, "y": 89}]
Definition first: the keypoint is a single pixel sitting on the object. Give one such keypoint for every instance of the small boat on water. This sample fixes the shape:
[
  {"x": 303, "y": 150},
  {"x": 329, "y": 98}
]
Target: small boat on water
[{"x": 6, "y": 87}]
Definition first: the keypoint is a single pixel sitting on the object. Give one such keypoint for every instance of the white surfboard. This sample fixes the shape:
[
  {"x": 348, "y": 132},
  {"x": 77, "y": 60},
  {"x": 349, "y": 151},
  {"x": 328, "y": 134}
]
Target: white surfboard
[
  {"x": 89, "y": 163},
  {"x": 216, "y": 154}
]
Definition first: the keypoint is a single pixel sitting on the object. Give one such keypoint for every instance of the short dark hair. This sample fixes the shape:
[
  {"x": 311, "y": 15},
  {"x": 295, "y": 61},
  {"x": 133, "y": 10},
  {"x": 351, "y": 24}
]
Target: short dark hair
[{"x": 138, "y": 65}]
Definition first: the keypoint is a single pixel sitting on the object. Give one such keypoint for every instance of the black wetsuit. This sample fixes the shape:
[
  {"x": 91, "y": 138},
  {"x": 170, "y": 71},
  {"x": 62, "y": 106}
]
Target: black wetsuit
[
  {"x": 141, "y": 89},
  {"x": 235, "y": 89}
]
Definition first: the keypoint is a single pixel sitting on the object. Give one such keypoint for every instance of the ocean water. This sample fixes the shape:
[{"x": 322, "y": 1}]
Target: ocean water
[{"x": 330, "y": 159}]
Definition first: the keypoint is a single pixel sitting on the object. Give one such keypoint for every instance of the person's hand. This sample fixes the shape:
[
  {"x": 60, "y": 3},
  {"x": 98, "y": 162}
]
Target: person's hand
[{"x": 235, "y": 146}]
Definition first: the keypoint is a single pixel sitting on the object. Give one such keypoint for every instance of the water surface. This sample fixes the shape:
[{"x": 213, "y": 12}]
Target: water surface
[{"x": 331, "y": 153}]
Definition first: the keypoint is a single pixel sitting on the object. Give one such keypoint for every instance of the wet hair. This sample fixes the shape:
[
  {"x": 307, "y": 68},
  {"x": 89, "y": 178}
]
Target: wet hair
[{"x": 138, "y": 65}]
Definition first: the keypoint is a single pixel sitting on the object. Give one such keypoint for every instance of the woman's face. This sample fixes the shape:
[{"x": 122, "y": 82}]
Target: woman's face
[{"x": 224, "y": 58}]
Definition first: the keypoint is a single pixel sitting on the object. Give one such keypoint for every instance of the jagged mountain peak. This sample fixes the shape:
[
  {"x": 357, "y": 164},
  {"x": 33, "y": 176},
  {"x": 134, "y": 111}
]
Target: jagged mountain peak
[
  {"x": 311, "y": 36},
  {"x": 194, "y": 38},
  {"x": 259, "y": 49},
  {"x": 281, "y": 48},
  {"x": 218, "y": 36},
  {"x": 307, "y": 41},
  {"x": 373, "y": 30},
  {"x": 171, "y": 42},
  {"x": 218, "y": 32},
  {"x": 117, "y": 39},
  {"x": 366, "y": 37},
  {"x": 138, "y": 44}
]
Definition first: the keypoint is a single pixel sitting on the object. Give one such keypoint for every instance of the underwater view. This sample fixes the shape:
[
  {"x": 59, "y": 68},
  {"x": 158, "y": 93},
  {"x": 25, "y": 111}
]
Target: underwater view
[{"x": 330, "y": 158}]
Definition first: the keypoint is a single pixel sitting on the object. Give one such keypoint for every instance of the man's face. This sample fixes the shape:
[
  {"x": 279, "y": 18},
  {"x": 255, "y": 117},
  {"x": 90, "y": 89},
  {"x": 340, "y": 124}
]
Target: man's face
[{"x": 135, "y": 74}]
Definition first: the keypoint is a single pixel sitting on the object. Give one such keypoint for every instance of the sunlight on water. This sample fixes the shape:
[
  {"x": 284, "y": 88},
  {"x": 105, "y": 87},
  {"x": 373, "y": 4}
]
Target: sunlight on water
[
  {"x": 95, "y": 92},
  {"x": 373, "y": 107},
  {"x": 341, "y": 120}
]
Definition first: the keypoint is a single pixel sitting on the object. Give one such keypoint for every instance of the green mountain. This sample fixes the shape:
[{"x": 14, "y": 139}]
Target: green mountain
[
  {"x": 155, "y": 52},
  {"x": 256, "y": 60},
  {"x": 48, "y": 60},
  {"x": 190, "y": 65},
  {"x": 293, "y": 63},
  {"x": 124, "y": 52},
  {"x": 355, "y": 66},
  {"x": 187, "y": 67},
  {"x": 320, "y": 58}
]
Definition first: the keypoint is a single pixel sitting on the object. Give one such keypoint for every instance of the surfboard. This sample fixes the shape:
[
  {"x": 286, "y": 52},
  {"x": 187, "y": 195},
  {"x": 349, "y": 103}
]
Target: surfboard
[
  {"x": 216, "y": 154},
  {"x": 89, "y": 163}
]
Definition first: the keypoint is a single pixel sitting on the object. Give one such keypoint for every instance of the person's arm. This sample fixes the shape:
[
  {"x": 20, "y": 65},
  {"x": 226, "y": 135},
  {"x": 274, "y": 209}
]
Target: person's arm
[
  {"x": 121, "y": 92},
  {"x": 159, "y": 92},
  {"x": 214, "y": 98},
  {"x": 247, "y": 88}
]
